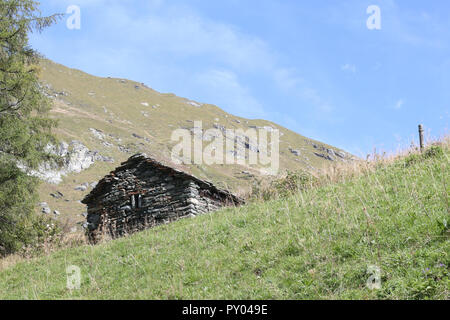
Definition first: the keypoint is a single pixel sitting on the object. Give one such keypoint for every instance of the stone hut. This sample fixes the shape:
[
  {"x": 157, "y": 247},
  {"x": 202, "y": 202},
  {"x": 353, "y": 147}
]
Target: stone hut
[{"x": 143, "y": 192}]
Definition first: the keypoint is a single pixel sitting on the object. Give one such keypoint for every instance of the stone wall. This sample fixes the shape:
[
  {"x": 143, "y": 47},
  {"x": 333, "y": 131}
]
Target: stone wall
[{"x": 143, "y": 193}]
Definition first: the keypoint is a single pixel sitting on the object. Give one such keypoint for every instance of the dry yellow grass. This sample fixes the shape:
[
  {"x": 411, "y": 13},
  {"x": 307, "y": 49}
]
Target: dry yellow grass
[{"x": 338, "y": 172}]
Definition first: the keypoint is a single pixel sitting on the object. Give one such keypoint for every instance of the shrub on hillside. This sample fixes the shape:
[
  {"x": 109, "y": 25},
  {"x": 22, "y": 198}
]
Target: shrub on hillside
[
  {"x": 282, "y": 187},
  {"x": 433, "y": 151}
]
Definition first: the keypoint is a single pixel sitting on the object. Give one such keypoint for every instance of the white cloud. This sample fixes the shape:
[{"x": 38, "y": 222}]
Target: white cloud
[
  {"x": 226, "y": 88},
  {"x": 179, "y": 31},
  {"x": 316, "y": 99},
  {"x": 173, "y": 38},
  {"x": 349, "y": 68},
  {"x": 399, "y": 104},
  {"x": 288, "y": 81},
  {"x": 413, "y": 28}
]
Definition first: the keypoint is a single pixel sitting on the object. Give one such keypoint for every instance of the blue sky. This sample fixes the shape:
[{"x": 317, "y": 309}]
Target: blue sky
[{"x": 311, "y": 66}]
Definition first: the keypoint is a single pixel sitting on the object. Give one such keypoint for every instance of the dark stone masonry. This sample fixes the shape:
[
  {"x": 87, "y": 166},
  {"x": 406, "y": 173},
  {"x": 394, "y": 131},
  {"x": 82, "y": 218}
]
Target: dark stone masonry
[{"x": 143, "y": 192}]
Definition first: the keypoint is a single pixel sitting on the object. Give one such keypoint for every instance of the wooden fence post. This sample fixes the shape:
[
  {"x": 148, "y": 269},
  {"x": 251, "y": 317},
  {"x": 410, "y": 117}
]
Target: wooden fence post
[{"x": 421, "y": 138}]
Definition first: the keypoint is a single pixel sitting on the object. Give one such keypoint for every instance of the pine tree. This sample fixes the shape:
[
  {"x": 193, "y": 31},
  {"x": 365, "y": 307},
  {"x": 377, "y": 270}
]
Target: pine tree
[{"x": 25, "y": 129}]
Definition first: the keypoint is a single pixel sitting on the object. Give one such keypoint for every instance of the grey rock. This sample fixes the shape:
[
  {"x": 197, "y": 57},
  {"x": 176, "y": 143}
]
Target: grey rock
[
  {"x": 97, "y": 133},
  {"x": 107, "y": 144},
  {"x": 76, "y": 158},
  {"x": 104, "y": 158},
  {"x": 341, "y": 154},
  {"x": 331, "y": 152},
  {"x": 124, "y": 149},
  {"x": 195, "y": 104},
  {"x": 325, "y": 156},
  {"x": 57, "y": 195}
]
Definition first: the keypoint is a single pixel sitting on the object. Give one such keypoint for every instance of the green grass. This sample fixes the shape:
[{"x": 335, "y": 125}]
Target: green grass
[{"x": 315, "y": 244}]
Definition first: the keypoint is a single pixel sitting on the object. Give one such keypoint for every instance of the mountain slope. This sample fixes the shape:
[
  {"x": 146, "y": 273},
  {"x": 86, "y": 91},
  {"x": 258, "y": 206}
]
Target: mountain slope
[
  {"x": 113, "y": 119},
  {"x": 388, "y": 221}
]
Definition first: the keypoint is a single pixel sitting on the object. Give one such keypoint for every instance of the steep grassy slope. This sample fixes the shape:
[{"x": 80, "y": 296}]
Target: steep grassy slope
[
  {"x": 317, "y": 243},
  {"x": 134, "y": 118}
]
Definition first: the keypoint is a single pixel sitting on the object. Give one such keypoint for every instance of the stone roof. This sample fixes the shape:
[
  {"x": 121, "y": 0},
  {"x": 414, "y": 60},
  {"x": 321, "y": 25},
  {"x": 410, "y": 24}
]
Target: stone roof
[{"x": 142, "y": 157}]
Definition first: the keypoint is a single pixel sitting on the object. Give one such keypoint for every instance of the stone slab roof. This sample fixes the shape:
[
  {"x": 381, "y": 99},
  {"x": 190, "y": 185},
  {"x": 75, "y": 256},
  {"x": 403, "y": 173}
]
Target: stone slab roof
[{"x": 142, "y": 157}]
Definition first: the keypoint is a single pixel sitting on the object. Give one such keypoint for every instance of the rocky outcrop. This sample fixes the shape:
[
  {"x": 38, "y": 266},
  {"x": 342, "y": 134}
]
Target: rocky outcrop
[
  {"x": 51, "y": 93},
  {"x": 330, "y": 154},
  {"x": 194, "y": 104},
  {"x": 76, "y": 157},
  {"x": 241, "y": 141},
  {"x": 45, "y": 208},
  {"x": 325, "y": 156},
  {"x": 97, "y": 133}
]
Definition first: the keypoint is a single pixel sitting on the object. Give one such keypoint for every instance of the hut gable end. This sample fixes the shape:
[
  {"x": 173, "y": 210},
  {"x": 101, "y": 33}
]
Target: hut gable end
[{"x": 143, "y": 192}]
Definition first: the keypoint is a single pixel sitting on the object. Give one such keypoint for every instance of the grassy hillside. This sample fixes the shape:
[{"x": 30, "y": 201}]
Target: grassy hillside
[
  {"x": 135, "y": 118},
  {"x": 314, "y": 244}
]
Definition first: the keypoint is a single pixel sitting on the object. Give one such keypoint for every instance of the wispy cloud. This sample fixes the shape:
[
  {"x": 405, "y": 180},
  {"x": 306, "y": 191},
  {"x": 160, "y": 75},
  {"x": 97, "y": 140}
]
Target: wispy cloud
[
  {"x": 413, "y": 27},
  {"x": 289, "y": 81},
  {"x": 179, "y": 32},
  {"x": 399, "y": 104},
  {"x": 229, "y": 92},
  {"x": 348, "y": 68}
]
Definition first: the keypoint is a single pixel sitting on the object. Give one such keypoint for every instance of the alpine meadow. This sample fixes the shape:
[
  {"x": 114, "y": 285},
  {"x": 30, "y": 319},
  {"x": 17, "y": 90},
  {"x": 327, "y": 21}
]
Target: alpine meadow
[{"x": 114, "y": 189}]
